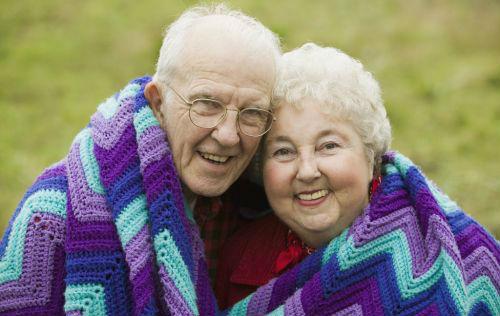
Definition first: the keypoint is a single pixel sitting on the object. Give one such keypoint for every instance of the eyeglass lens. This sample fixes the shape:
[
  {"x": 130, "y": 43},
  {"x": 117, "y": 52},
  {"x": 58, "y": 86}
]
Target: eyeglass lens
[{"x": 208, "y": 113}]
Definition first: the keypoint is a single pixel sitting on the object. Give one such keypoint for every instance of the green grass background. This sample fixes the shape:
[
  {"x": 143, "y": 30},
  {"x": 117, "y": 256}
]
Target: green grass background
[{"x": 438, "y": 63}]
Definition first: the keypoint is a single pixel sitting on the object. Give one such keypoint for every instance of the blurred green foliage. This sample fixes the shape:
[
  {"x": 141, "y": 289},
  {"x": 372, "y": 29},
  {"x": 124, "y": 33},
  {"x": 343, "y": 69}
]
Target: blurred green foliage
[{"x": 438, "y": 63}]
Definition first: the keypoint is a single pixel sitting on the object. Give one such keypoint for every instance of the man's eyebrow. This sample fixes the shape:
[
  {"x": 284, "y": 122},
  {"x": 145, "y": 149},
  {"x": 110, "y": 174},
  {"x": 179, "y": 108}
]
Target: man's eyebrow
[
  {"x": 278, "y": 139},
  {"x": 259, "y": 105},
  {"x": 203, "y": 95}
]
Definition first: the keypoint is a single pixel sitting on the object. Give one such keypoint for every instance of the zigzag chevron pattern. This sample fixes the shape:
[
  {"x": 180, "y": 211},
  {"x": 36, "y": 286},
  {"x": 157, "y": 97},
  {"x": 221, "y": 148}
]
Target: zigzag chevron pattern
[
  {"x": 32, "y": 255},
  {"x": 413, "y": 252},
  {"x": 104, "y": 232},
  {"x": 82, "y": 242},
  {"x": 125, "y": 162}
]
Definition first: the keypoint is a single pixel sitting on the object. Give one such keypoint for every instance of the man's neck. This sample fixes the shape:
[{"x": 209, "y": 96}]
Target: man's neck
[{"x": 189, "y": 196}]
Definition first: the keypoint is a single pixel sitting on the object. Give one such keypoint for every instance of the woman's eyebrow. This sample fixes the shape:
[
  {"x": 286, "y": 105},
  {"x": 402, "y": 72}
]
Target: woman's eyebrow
[
  {"x": 278, "y": 139},
  {"x": 331, "y": 131}
]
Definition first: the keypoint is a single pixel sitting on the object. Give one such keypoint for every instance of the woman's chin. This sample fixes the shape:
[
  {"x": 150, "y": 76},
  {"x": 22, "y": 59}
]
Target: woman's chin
[{"x": 318, "y": 236}]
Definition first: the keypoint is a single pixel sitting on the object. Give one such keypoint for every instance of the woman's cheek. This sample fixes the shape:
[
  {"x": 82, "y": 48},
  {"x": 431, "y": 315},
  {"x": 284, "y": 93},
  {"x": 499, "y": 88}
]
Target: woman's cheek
[{"x": 277, "y": 180}]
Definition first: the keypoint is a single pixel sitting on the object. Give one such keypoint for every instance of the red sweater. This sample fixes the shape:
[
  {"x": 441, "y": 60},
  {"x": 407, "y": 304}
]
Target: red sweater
[{"x": 248, "y": 259}]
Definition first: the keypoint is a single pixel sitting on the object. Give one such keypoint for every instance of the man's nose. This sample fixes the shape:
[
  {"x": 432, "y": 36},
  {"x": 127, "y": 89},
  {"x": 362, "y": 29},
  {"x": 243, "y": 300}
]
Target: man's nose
[
  {"x": 308, "y": 169},
  {"x": 226, "y": 132}
]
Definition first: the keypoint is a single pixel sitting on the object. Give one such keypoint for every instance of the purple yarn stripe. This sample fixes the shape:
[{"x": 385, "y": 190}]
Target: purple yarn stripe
[
  {"x": 284, "y": 287},
  {"x": 293, "y": 306},
  {"x": 198, "y": 251},
  {"x": 353, "y": 310},
  {"x": 474, "y": 236},
  {"x": 383, "y": 204},
  {"x": 427, "y": 206},
  {"x": 204, "y": 294},
  {"x": 143, "y": 288},
  {"x": 114, "y": 162},
  {"x": 89, "y": 205},
  {"x": 90, "y": 236},
  {"x": 56, "y": 170},
  {"x": 106, "y": 133},
  {"x": 311, "y": 292},
  {"x": 159, "y": 175},
  {"x": 138, "y": 251},
  {"x": 152, "y": 146},
  {"x": 259, "y": 302},
  {"x": 139, "y": 257},
  {"x": 174, "y": 299},
  {"x": 431, "y": 310},
  {"x": 364, "y": 231},
  {"x": 41, "y": 281},
  {"x": 366, "y": 293},
  {"x": 482, "y": 262}
]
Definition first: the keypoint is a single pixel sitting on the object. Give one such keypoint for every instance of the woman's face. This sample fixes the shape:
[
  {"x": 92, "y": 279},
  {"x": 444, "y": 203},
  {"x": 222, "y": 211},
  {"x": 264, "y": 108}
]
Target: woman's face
[{"x": 316, "y": 174}]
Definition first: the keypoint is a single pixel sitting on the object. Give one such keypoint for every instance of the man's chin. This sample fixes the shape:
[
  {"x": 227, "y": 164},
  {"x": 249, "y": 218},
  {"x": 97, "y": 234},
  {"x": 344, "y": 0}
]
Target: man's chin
[{"x": 209, "y": 189}]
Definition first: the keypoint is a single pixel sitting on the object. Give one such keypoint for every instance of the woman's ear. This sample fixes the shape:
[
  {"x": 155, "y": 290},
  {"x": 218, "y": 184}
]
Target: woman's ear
[{"x": 153, "y": 95}]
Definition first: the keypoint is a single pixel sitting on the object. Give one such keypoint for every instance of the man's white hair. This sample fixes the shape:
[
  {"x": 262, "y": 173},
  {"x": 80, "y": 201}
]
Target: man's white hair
[
  {"x": 342, "y": 87},
  {"x": 252, "y": 32}
]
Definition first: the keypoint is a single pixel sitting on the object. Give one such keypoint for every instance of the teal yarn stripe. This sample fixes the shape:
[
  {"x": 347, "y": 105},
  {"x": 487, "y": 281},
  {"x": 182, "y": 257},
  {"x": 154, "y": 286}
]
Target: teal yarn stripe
[
  {"x": 396, "y": 244},
  {"x": 169, "y": 256},
  {"x": 143, "y": 120},
  {"x": 130, "y": 91},
  {"x": 86, "y": 298},
  {"x": 109, "y": 107},
  {"x": 280, "y": 311},
  {"x": 132, "y": 219},
  {"x": 333, "y": 247},
  {"x": 42, "y": 201},
  {"x": 481, "y": 290},
  {"x": 89, "y": 162},
  {"x": 240, "y": 309}
]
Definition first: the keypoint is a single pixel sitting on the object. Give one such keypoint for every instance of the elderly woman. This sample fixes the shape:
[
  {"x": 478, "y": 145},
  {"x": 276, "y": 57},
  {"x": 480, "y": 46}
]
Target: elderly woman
[{"x": 403, "y": 247}]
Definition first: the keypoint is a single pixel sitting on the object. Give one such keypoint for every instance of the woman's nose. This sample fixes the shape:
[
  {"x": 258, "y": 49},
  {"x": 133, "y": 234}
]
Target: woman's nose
[{"x": 308, "y": 169}]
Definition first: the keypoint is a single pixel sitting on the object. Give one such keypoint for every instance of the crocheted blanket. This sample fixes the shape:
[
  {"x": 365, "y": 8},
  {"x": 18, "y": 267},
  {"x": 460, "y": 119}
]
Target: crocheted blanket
[
  {"x": 413, "y": 251},
  {"x": 104, "y": 232}
]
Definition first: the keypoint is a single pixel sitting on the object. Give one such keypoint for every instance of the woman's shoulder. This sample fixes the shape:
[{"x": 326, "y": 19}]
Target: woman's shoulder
[{"x": 248, "y": 257}]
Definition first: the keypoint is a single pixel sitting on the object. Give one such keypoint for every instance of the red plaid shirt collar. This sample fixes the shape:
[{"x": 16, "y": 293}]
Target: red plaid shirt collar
[{"x": 217, "y": 218}]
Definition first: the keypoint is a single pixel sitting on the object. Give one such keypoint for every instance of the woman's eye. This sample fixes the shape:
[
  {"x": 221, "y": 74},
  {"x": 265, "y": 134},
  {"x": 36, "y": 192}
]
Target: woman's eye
[
  {"x": 283, "y": 153},
  {"x": 330, "y": 146}
]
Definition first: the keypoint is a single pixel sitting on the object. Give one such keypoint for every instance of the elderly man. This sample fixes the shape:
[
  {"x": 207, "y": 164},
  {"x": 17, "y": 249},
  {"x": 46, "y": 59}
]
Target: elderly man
[{"x": 109, "y": 230}]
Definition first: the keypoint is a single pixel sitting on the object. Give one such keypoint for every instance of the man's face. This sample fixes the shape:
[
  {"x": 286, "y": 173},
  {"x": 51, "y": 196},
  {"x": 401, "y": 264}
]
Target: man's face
[{"x": 215, "y": 65}]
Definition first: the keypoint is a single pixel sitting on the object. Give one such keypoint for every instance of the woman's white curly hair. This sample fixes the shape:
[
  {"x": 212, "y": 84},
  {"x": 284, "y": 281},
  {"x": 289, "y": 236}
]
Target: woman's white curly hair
[{"x": 342, "y": 87}]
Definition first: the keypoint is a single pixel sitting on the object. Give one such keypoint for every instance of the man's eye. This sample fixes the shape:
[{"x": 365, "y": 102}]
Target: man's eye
[{"x": 207, "y": 107}]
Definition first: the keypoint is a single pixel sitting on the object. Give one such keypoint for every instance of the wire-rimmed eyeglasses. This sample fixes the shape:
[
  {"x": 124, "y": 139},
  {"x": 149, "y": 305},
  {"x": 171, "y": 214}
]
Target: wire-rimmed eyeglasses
[{"x": 208, "y": 113}]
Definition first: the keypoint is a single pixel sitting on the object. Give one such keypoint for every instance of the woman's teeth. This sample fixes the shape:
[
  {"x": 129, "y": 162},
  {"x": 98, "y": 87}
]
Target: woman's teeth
[
  {"x": 215, "y": 158},
  {"x": 313, "y": 196}
]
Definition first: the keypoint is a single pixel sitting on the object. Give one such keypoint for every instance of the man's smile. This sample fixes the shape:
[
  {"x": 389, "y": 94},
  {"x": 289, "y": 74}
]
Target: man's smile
[{"x": 214, "y": 158}]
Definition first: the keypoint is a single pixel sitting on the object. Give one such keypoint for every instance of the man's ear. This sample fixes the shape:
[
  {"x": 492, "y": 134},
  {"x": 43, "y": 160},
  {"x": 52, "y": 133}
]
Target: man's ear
[{"x": 153, "y": 95}]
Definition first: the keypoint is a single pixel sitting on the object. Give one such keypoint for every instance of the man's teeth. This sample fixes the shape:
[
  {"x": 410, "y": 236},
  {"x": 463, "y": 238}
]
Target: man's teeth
[
  {"x": 313, "y": 196},
  {"x": 215, "y": 158}
]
